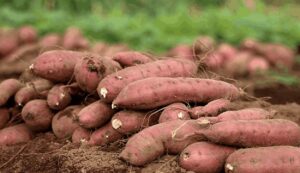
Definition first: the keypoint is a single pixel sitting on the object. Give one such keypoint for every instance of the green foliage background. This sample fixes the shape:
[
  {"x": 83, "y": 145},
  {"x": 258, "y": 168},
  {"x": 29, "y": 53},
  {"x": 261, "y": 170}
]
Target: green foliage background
[{"x": 154, "y": 25}]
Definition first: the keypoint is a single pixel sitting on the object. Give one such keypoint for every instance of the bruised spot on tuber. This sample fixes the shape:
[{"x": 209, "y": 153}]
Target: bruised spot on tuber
[{"x": 29, "y": 116}]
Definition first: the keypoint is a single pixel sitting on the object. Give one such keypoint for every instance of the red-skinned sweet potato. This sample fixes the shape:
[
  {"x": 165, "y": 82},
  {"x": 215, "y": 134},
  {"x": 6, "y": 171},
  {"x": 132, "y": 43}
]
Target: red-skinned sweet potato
[
  {"x": 27, "y": 34},
  {"x": 158, "y": 91},
  {"x": 33, "y": 90},
  {"x": 8, "y": 88},
  {"x": 64, "y": 122},
  {"x": 4, "y": 117},
  {"x": 237, "y": 66},
  {"x": 257, "y": 65},
  {"x": 175, "y": 111},
  {"x": 131, "y": 58},
  {"x": 56, "y": 65},
  {"x": 37, "y": 115},
  {"x": 105, "y": 135},
  {"x": 182, "y": 51},
  {"x": 227, "y": 51},
  {"x": 50, "y": 40},
  {"x": 95, "y": 115},
  {"x": 129, "y": 122},
  {"x": 154, "y": 141},
  {"x": 91, "y": 69},
  {"x": 15, "y": 134},
  {"x": 112, "y": 84},
  {"x": 203, "y": 45},
  {"x": 275, "y": 159},
  {"x": 60, "y": 96},
  {"x": 204, "y": 157},
  {"x": 81, "y": 135},
  {"x": 254, "y": 133},
  {"x": 9, "y": 42},
  {"x": 73, "y": 39},
  {"x": 99, "y": 48},
  {"x": 213, "y": 108}
]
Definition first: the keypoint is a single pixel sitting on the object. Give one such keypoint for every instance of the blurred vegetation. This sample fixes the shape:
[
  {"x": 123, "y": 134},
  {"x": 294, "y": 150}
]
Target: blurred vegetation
[{"x": 158, "y": 25}]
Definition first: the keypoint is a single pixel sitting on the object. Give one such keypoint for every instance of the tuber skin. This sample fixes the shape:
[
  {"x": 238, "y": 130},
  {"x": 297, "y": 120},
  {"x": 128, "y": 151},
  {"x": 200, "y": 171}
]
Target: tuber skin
[
  {"x": 130, "y": 122},
  {"x": 275, "y": 159},
  {"x": 27, "y": 34},
  {"x": 33, "y": 90},
  {"x": 15, "y": 135},
  {"x": 105, "y": 135},
  {"x": 91, "y": 69},
  {"x": 37, "y": 115},
  {"x": 175, "y": 111},
  {"x": 8, "y": 88},
  {"x": 212, "y": 109},
  {"x": 4, "y": 117},
  {"x": 204, "y": 157},
  {"x": 254, "y": 133},
  {"x": 159, "y": 91},
  {"x": 81, "y": 135},
  {"x": 131, "y": 58},
  {"x": 152, "y": 142},
  {"x": 60, "y": 96},
  {"x": 56, "y": 65},
  {"x": 50, "y": 40},
  {"x": 111, "y": 85},
  {"x": 95, "y": 115},
  {"x": 64, "y": 122}
]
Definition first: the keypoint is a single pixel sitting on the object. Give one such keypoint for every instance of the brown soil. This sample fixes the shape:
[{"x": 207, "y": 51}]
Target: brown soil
[{"x": 48, "y": 154}]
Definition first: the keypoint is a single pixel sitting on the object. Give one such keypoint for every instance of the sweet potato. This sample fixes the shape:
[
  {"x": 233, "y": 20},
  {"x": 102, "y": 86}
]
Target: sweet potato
[
  {"x": 4, "y": 117},
  {"x": 73, "y": 39},
  {"x": 243, "y": 114},
  {"x": 254, "y": 133},
  {"x": 257, "y": 65},
  {"x": 277, "y": 54},
  {"x": 8, "y": 88},
  {"x": 56, "y": 65},
  {"x": 27, "y": 34},
  {"x": 50, "y": 40},
  {"x": 129, "y": 122},
  {"x": 237, "y": 66},
  {"x": 112, "y": 84},
  {"x": 60, "y": 96},
  {"x": 213, "y": 61},
  {"x": 105, "y": 135},
  {"x": 203, "y": 45},
  {"x": 113, "y": 49},
  {"x": 91, "y": 69},
  {"x": 182, "y": 51},
  {"x": 204, "y": 157},
  {"x": 275, "y": 159},
  {"x": 64, "y": 122},
  {"x": 99, "y": 48},
  {"x": 15, "y": 135},
  {"x": 227, "y": 51},
  {"x": 175, "y": 111},
  {"x": 131, "y": 58},
  {"x": 37, "y": 115},
  {"x": 158, "y": 91},
  {"x": 33, "y": 90},
  {"x": 81, "y": 134},
  {"x": 213, "y": 108},
  {"x": 154, "y": 141},
  {"x": 27, "y": 76},
  {"x": 9, "y": 42},
  {"x": 95, "y": 115}
]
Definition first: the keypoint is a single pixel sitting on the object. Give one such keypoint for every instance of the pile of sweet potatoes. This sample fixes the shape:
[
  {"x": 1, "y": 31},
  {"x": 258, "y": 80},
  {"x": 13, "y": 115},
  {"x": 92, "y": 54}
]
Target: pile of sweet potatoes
[
  {"x": 108, "y": 93},
  {"x": 250, "y": 58}
]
